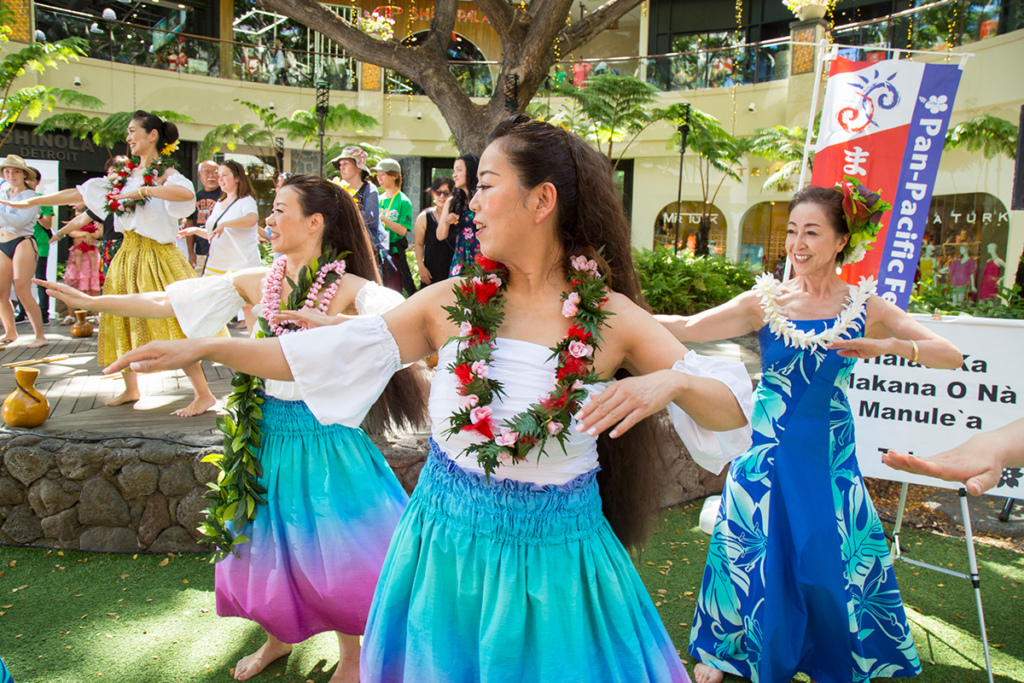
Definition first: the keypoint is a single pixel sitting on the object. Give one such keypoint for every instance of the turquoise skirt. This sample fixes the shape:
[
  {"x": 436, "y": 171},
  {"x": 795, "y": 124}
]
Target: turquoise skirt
[
  {"x": 507, "y": 581},
  {"x": 318, "y": 544}
]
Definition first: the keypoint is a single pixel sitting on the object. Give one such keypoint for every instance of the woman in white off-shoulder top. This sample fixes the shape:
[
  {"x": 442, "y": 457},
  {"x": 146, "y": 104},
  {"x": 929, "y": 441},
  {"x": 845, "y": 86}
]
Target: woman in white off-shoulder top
[
  {"x": 149, "y": 200},
  {"x": 315, "y": 550},
  {"x": 504, "y": 566}
]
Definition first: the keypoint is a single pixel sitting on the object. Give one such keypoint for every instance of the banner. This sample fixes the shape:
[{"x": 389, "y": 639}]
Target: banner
[
  {"x": 885, "y": 124},
  {"x": 909, "y": 408}
]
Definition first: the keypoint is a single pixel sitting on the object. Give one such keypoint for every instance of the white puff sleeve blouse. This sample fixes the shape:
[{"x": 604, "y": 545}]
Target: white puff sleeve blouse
[{"x": 157, "y": 219}]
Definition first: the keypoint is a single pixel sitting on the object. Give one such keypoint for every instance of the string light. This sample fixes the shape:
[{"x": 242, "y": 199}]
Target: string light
[{"x": 910, "y": 30}]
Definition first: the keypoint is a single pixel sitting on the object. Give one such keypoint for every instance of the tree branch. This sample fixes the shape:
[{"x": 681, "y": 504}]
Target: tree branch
[
  {"x": 443, "y": 22},
  {"x": 582, "y": 32},
  {"x": 388, "y": 54},
  {"x": 500, "y": 14}
]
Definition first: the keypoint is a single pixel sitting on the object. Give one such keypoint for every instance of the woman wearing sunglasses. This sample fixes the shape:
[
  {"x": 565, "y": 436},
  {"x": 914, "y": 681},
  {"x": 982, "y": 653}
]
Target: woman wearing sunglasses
[{"x": 434, "y": 256}]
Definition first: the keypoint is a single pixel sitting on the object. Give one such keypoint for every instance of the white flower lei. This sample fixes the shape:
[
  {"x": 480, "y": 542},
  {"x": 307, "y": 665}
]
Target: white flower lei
[{"x": 768, "y": 289}]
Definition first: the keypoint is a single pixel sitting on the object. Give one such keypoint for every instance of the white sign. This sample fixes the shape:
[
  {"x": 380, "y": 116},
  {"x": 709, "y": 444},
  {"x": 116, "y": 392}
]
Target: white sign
[{"x": 909, "y": 408}]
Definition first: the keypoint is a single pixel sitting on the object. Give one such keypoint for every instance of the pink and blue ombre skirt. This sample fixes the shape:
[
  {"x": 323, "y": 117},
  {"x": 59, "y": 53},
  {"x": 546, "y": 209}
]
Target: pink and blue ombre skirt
[
  {"x": 506, "y": 582},
  {"x": 318, "y": 545}
]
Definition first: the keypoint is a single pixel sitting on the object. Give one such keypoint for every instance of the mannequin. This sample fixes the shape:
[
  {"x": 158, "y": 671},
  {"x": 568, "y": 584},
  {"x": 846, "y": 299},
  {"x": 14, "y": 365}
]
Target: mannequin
[
  {"x": 961, "y": 275},
  {"x": 927, "y": 268},
  {"x": 992, "y": 274}
]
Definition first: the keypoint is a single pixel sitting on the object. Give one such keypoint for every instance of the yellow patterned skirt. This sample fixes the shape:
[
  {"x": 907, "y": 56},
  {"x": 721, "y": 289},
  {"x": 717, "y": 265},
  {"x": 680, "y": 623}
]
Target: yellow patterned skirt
[{"x": 140, "y": 265}]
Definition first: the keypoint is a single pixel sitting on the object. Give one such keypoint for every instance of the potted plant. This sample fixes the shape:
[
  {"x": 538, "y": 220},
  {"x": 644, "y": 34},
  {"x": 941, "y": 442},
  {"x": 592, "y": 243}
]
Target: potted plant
[{"x": 805, "y": 10}]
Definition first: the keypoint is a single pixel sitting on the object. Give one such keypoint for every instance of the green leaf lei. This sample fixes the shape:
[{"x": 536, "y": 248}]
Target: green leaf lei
[
  {"x": 478, "y": 313},
  {"x": 237, "y": 492}
]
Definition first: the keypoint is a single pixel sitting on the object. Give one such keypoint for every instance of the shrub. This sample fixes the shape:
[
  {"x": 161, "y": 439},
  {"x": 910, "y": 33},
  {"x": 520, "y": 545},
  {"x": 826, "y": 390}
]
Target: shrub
[
  {"x": 930, "y": 298},
  {"x": 684, "y": 284}
]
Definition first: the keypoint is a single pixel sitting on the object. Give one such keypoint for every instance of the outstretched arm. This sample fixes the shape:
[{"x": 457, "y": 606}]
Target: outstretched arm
[
  {"x": 732, "y": 319},
  {"x": 142, "y": 305},
  {"x": 978, "y": 463},
  {"x": 68, "y": 196},
  {"x": 260, "y": 357}
]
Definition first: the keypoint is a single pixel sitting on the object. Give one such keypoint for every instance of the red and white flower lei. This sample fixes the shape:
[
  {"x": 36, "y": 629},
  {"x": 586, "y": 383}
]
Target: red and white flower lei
[
  {"x": 271, "y": 301},
  {"x": 477, "y": 312},
  {"x": 119, "y": 176}
]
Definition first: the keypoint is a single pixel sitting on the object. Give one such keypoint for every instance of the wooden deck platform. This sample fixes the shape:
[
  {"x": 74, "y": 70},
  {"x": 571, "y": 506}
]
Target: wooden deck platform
[{"x": 77, "y": 390}]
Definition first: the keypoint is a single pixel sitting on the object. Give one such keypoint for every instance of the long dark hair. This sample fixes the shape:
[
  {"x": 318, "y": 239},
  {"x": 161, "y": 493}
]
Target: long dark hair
[
  {"x": 590, "y": 216},
  {"x": 404, "y": 401},
  {"x": 244, "y": 188},
  {"x": 460, "y": 198},
  {"x": 167, "y": 132},
  {"x": 830, "y": 200}
]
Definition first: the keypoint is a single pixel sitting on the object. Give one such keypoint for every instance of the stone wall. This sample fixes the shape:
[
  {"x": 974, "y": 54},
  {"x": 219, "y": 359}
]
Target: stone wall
[{"x": 139, "y": 495}]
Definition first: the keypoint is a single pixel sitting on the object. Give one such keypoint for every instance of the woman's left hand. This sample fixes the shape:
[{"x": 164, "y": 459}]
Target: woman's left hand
[
  {"x": 626, "y": 402},
  {"x": 307, "y": 319},
  {"x": 157, "y": 356},
  {"x": 863, "y": 347}
]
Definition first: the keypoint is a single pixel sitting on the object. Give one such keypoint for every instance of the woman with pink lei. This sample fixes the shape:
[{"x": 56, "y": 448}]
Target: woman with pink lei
[
  {"x": 325, "y": 501},
  {"x": 504, "y": 566}
]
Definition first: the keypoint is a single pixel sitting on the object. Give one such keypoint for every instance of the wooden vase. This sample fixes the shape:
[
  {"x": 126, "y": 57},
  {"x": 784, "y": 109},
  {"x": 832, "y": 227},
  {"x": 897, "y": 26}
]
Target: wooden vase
[
  {"x": 81, "y": 327},
  {"x": 25, "y": 407}
]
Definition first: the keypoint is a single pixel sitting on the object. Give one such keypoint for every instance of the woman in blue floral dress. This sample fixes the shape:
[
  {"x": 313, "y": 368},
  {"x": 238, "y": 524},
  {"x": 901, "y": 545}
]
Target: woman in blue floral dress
[
  {"x": 456, "y": 214},
  {"x": 798, "y": 575}
]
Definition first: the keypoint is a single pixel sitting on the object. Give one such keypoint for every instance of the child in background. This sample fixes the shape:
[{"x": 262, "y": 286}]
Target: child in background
[{"x": 83, "y": 268}]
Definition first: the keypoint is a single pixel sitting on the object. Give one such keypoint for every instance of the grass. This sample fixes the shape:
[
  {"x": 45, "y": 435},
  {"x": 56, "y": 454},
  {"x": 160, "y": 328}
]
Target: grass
[{"x": 89, "y": 617}]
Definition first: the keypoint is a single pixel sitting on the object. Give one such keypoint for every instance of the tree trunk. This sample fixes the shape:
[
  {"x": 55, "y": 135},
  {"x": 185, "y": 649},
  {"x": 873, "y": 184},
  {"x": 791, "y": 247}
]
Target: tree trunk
[
  {"x": 703, "y": 233},
  {"x": 533, "y": 36}
]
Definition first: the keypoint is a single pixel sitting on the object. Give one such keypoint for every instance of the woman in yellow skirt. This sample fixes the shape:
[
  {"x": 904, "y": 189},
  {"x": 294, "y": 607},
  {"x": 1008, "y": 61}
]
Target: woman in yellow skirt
[{"x": 147, "y": 197}]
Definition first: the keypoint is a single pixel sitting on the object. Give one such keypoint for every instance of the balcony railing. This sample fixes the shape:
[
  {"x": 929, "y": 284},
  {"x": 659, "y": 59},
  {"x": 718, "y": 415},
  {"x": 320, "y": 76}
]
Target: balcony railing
[
  {"x": 935, "y": 26},
  {"x": 125, "y": 43}
]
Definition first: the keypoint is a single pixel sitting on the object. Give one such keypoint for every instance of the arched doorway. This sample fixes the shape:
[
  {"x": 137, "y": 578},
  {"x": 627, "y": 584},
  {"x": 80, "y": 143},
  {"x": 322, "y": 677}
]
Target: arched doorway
[{"x": 476, "y": 78}]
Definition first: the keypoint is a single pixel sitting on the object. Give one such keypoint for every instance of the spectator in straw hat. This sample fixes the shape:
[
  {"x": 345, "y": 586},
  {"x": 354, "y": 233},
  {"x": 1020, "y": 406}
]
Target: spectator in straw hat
[
  {"x": 18, "y": 252},
  {"x": 351, "y": 165}
]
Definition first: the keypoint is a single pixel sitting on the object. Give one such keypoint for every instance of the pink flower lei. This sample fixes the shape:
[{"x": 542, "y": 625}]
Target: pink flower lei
[{"x": 271, "y": 301}]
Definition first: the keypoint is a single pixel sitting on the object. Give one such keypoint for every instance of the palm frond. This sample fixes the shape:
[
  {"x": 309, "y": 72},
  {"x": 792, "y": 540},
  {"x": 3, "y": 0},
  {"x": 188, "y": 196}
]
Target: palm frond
[{"x": 986, "y": 133}]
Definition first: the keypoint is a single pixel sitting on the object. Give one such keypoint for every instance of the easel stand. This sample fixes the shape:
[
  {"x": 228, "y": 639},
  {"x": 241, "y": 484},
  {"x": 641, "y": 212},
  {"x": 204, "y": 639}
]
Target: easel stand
[{"x": 972, "y": 561}]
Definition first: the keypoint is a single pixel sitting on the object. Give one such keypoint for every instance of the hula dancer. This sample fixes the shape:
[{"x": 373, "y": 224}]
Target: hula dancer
[
  {"x": 310, "y": 558},
  {"x": 504, "y": 566}
]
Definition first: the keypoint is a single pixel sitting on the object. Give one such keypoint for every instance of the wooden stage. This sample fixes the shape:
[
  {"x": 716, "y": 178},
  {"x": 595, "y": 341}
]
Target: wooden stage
[{"x": 76, "y": 390}]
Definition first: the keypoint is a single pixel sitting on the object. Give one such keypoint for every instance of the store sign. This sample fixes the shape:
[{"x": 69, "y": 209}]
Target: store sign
[
  {"x": 910, "y": 408},
  {"x": 62, "y": 147}
]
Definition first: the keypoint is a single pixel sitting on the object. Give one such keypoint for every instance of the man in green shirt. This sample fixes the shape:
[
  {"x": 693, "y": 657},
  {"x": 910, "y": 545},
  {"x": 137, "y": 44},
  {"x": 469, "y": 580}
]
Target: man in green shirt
[{"x": 396, "y": 216}]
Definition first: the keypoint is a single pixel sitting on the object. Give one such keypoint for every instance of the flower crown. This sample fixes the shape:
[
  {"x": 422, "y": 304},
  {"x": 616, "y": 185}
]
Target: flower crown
[
  {"x": 169, "y": 148},
  {"x": 863, "y": 210}
]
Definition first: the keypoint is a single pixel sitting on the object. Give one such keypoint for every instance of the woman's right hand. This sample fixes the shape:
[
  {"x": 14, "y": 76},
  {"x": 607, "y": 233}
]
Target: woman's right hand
[
  {"x": 158, "y": 356},
  {"x": 185, "y": 232},
  {"x": 424, "y": 273},
  {"x": 69, "y": 295}
]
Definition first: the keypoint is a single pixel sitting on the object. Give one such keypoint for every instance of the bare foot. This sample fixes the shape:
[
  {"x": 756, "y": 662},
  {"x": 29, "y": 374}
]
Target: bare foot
[
  {"x": 251, "y": 665},
  {"x": 124, "y": 397},
  {"x": 702, "y": 673},
  {"x": 198, "y": 406},
  {"x": 347, "y": 672},
  {"x": 39, "y": 343},
  {"x": 9, "y": 340}
]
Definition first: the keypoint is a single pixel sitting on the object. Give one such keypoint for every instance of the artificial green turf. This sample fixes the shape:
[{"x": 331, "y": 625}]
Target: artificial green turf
[{"x": 90, "y": 617}]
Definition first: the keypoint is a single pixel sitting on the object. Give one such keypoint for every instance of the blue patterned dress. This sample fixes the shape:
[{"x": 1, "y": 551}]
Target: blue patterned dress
[{"x": 798, "y": 575}]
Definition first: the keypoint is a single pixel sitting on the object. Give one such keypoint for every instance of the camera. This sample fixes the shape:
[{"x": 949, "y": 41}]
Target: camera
[
  {"x": 752, "y": 108},
  {"x": 419, "y": 117},
  {"x": 270, "y": 106},
  {"x": 77, "y": 82}
]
